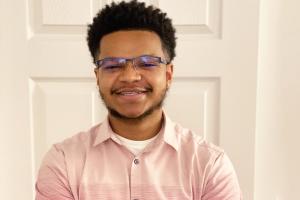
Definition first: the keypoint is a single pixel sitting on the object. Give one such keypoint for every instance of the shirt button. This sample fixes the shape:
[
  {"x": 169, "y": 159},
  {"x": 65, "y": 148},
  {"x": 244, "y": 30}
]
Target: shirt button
[{"x": 136, "y": 161}]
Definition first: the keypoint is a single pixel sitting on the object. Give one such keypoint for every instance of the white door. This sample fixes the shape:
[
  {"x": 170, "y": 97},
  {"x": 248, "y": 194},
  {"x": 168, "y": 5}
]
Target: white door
[{"x": 48, "y": 90}]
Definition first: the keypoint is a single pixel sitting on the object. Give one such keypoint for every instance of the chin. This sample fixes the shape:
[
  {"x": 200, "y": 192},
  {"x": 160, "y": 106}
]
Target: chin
[{"x": 130, "y": 114}]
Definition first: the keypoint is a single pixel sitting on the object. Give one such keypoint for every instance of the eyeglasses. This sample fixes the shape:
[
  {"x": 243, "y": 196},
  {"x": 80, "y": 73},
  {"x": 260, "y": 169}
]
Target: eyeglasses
[{"x": 145, "y": 62}]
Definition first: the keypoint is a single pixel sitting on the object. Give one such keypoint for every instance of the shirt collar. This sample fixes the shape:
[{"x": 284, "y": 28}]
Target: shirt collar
[
  {"x": 169, "y": 132},
  {"x": 103, "y": 133}
]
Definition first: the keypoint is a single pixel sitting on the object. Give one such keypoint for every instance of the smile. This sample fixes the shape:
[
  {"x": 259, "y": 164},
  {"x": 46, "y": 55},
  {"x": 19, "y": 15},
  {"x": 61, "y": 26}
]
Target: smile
[{"x": 131, "y": 93}]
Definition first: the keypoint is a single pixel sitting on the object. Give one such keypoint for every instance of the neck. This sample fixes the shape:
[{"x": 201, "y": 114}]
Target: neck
[{"x": 141, "y": 129}]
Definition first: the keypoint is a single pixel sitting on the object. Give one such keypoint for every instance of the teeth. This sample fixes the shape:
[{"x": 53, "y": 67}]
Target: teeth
[{"x": 130, "y": 93}]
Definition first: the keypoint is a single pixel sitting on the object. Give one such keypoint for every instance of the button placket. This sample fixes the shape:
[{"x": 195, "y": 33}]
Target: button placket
[{"x": 135, "y": 179}]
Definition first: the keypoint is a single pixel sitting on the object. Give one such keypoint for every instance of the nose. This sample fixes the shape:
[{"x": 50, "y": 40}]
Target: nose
[{"x": 130, "y": 73}]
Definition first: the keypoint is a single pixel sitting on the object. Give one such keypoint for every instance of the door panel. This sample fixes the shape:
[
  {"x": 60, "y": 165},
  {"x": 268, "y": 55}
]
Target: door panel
[{"x": 213, "y": 92}]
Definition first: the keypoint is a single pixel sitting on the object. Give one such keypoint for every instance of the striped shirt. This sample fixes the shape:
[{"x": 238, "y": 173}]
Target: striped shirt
[{"x": 177, "y": 164}]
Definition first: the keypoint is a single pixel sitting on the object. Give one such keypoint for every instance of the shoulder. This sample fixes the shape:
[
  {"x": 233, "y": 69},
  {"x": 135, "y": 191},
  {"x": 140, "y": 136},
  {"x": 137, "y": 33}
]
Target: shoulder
[
  {"x": 75, "y": 147},
  {"x": 189, "y": 139},
  {"x": 62, "y": 163},
  {"x": 70, "y": 153},
  {"x": 211, "y": 162},
  {"x": 79, "y": 141},
  {"x": 195, "y": 150},
  {"x": 189, "y": 142}
]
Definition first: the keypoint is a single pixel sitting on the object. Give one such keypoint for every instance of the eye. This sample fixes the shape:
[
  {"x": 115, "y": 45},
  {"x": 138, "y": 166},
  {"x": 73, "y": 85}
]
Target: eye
[
  {"x": 111, "y": 65},
  {"x": 147, "y": 64}
]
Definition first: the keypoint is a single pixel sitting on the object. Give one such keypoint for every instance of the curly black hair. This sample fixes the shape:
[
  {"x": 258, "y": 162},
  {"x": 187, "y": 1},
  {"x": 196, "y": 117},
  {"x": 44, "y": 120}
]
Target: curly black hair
[{"x": 131, "y": 15}]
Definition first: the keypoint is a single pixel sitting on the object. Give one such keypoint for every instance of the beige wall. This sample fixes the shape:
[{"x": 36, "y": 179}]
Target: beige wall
[{"x": 278, "y": 102}]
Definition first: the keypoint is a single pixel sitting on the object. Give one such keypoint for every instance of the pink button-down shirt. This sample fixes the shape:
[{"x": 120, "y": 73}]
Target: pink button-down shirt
[{"x": 177, "y": 165}]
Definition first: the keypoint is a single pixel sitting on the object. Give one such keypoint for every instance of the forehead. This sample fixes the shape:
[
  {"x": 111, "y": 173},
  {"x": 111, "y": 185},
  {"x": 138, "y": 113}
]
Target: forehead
[{"x": 130, "y": 43}]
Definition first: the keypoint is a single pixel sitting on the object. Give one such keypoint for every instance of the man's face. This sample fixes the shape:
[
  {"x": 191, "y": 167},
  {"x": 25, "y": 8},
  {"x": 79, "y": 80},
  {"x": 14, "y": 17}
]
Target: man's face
[{"x": 133, "y": 93}]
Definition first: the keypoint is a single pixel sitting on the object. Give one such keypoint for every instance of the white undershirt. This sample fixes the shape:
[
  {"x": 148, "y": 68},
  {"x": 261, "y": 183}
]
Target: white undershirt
[{"x": 134, "y": 146}]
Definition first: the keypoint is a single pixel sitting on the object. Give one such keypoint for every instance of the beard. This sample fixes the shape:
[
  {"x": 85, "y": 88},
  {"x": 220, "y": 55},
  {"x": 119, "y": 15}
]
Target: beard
[{"x": 155, "y": 106}]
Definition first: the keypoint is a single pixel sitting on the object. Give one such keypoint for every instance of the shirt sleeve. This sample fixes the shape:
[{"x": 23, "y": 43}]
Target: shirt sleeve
[
  {"x": 222, "y": 183},
  {"x": 52, "y": 181}
]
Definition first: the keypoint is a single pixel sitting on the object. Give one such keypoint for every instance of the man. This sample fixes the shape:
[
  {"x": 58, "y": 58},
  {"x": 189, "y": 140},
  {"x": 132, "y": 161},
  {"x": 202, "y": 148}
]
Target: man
[{"x": 137, "y": 152}]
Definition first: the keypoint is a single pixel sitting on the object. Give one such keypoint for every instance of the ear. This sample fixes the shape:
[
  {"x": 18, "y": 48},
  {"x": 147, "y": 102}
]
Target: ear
[
  {"x": 96, "y": 71},
  {"x": 169, "y": 74}
]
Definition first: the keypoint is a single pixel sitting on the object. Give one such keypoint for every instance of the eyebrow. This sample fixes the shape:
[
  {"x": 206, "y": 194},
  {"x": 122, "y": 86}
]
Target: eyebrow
[{"x": 131, "y": 57}]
